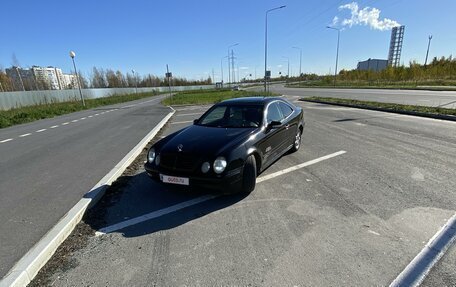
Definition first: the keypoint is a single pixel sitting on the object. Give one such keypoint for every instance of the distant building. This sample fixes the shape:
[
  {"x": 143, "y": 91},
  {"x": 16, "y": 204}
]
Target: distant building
[
  {"x": 39, "y": 78},
  {"x": 372, "y": 65}
]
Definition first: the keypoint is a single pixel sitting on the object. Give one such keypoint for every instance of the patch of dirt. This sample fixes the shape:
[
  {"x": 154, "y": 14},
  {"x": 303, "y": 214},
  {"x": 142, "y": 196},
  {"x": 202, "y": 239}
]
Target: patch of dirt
[{"x": 94, "y": 219}]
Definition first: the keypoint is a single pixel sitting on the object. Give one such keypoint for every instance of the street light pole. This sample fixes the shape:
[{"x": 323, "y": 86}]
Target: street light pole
[
  {"x": 337, "y": 53},
  {"x": 427, "y": 52},
  {"x": 72, "y": 55},
  {"x": 266, "y": 43},
  {"x": 300, "y": 59},
  {"x": 221, "y": 67},
  {"x": 288, "y": 66}
]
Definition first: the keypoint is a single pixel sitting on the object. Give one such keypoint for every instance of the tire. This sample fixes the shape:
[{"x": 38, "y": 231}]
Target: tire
[
  {"x": 249, "y": 175},
  {"x": 297, "y": 142}
]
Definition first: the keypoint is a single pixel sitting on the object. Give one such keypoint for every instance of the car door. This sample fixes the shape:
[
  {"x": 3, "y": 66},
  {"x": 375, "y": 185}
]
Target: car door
[
  {"x": 290, "y": 124},
  {"x": 275, "y": 137}
]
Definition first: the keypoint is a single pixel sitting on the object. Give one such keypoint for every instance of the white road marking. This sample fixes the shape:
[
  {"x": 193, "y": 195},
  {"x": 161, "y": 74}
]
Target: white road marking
[
  {"x": 96, "y": 114},
  {"x": 360, "y": 124},
  {"x": 74, "y": 121},
  {"x": 64, "y": 124},
  {"x": 183, "y": 122},
  {"x": 39, "y": 131},
  {"x": 373, "y": 232},
  {"x": 419, "y": 267},
  {"x": 154, "y": 214},
  {"x": 25, "y": 135},
  {"x": 53, "y": 127},
  {"x": 90, "y": 116},
  {"x": 83, "y": 118},
  {"x": 296, "y": 167},
  {"x": 7, "y": 140},
  {"x": 192, "y": 114}
]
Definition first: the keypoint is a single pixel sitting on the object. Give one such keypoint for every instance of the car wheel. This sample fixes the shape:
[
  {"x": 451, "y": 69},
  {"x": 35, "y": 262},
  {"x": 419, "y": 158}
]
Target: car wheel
[
  {"x": 297, "y": 141},
  {"x": 249, "y": 175}
]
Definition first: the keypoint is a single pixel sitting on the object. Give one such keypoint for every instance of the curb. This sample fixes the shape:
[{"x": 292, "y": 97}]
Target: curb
[
  {"x": 409, "y": 113},
  {"x": 30, "y": 264},
  {"x": 419, "y": 267}
]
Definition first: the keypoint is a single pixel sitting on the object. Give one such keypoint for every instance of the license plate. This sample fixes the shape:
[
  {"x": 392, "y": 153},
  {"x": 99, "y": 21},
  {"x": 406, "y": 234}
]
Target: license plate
[{"x": 174, "y": 179}]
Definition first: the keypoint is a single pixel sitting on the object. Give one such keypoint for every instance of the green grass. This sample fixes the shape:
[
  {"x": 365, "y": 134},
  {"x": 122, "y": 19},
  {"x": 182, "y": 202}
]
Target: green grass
[
  {"x": 413, "y": 85},
  {"x": 209, "y": 96},
  {"x": 389, "y": 106},
  {"x": 32, "y": 113}
]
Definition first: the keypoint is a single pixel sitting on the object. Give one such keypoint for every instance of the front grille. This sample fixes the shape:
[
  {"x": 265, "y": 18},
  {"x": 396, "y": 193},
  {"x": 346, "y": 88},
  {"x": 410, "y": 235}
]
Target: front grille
[{"x": 178, "y": 161}]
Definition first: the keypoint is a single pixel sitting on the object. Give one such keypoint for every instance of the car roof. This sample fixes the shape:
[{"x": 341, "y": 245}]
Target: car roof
[{"x": 251, "y": 100}]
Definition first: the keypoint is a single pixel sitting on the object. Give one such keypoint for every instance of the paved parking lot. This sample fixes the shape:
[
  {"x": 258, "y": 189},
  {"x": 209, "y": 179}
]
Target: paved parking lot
[{"x": 355, "y": 218}]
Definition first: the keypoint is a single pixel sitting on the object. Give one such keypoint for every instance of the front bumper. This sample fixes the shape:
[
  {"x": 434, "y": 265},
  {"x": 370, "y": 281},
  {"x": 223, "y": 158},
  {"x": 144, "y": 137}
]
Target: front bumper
[{"x": 228, "y": 182}]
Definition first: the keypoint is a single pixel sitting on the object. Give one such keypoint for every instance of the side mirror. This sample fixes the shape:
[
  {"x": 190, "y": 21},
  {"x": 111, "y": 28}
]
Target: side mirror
[{"x": 274, "y": 124}]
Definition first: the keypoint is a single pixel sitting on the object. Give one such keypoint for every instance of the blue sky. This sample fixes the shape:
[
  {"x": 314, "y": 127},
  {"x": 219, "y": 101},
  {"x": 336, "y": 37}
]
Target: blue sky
[{"x": 193, "y": 36}]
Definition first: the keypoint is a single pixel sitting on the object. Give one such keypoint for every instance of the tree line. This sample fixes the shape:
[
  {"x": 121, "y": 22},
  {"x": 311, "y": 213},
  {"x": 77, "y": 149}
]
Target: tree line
[{"x": 103, "y": 78}]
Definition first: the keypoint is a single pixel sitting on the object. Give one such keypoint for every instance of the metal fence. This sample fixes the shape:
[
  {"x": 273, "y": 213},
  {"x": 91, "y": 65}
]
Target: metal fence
[{"x": 9, "y": 100}]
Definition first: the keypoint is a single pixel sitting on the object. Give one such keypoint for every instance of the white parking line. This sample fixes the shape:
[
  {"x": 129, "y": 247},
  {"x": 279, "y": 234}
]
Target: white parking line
[
  {"x": 53, "y": 127},
  {"x": 296, "y": 167},
  {"x": 183, "y": 122},
  {"x": 25, "y": 135},
  {"x": 198, "y": 200},
  {"x": 154, "y": 214},
  {"x": 7, "y": 140},
  {"x": 39, "y": 131}
]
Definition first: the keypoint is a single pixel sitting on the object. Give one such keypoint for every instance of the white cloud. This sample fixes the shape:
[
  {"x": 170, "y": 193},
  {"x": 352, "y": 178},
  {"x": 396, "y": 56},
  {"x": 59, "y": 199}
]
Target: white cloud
[
  {"x": 367, "y": 16},
  {"x": 335, "y": 21}
]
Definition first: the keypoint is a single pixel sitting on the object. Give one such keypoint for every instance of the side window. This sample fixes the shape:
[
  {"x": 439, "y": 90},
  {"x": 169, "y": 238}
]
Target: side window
[
  {"x": 286, "y": 109},
  {"x": 274, "y": 113}
]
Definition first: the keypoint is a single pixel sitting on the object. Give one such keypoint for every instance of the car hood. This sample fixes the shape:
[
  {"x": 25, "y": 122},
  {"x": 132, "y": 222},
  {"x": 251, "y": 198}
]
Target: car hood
[{"x": 206, "y": 141}]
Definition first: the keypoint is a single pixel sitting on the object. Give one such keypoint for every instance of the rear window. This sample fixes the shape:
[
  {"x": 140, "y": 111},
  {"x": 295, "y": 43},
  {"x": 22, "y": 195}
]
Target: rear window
[{"x": 286, "y": 109}]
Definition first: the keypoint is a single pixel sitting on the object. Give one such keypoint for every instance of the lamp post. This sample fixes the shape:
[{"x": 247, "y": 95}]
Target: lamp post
[
  {"x": 337, "y": 53},
  {"x": 300, "y": 59},
  {"x": 266, "y": 43},
  {"x": 136, "y": 81},
  {"x": 72, "y": 55},
  {"x": 221, "y": 67},
  {"x": 229, "y": 71},
  {"x": 288, "y": 67}
]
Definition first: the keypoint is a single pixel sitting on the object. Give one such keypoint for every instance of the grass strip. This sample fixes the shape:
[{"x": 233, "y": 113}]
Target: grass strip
[
  {"x": 385, "y": 106},
  {"x": 37, "y": 112},
  {"x": 209, "y": 96}
]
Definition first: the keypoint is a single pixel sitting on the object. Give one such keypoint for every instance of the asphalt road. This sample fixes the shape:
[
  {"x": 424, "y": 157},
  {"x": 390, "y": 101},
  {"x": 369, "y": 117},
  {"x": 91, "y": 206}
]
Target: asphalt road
[
  {"x": 445, "y": 99},
  {"x": 355, "y": 219},
  {"x": 48, "y": 165}
]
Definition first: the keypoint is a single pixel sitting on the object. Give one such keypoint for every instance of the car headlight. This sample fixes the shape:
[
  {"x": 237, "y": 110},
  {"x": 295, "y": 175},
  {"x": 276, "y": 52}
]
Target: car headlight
[
  {"x": 219, "y": 165},
  {"x": 151, "y": 155},
  {"x": 205, "y": 167}
]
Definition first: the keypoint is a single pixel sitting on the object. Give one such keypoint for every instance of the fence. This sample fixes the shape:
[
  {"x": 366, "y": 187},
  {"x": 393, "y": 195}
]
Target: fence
[{"x": 9, "y": 100}]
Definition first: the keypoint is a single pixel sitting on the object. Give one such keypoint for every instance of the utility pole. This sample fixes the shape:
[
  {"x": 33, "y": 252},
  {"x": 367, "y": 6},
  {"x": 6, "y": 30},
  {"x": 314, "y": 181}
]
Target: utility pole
[
  {"x": 337, "y": 53},
  {"x": 300, "y": 59},
  {"x": 72, "y": 55},
  {"x": 229, "y": 72},
  {"x": 213, "y": 77},
  {"x": 232, "y": 67},
  {"x": 427, "y": 52}
]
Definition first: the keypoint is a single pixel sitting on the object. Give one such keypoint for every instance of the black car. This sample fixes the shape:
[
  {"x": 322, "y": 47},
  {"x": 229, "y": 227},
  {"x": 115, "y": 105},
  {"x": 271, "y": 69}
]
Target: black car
[{"x": 228, "y": 145}]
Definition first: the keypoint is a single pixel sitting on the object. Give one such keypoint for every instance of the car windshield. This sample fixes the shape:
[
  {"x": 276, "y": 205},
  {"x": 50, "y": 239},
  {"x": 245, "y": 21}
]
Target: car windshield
[{"x": 233, "y": 116}]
